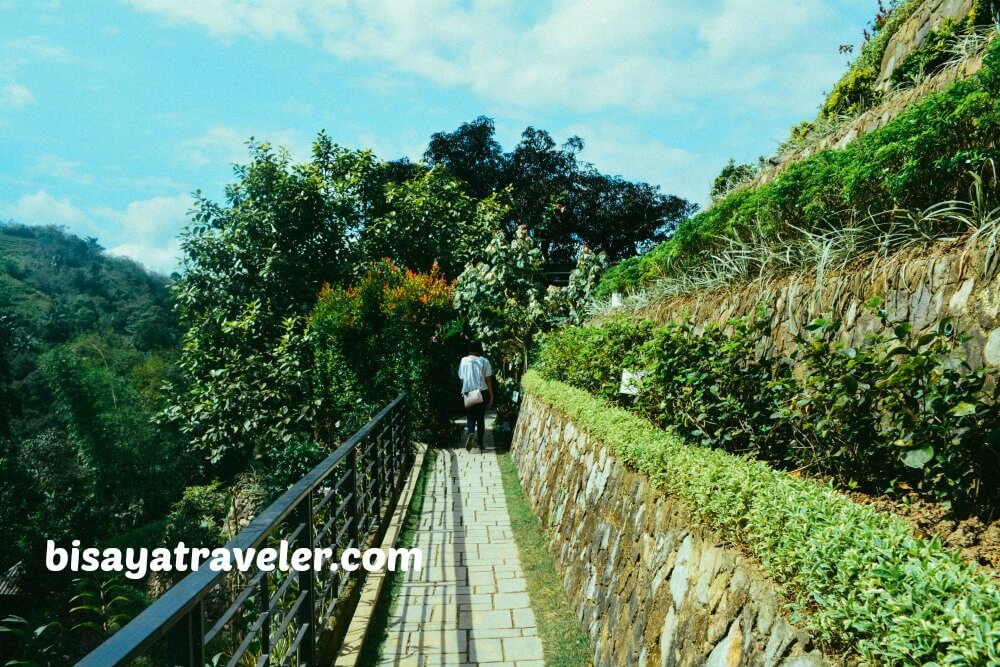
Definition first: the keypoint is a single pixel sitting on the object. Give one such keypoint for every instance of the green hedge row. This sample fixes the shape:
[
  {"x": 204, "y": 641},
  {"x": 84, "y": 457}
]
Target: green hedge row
[
  {"x": 855, "y": 578},
  {"x": 922, "y": 157}
]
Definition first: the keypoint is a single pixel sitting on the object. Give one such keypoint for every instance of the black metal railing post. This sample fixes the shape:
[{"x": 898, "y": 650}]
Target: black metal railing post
[
  {"x": 265, "y": 614},
  {"x": 307, "y": 584},
  {"x": 379, "y": 472},
  {"x": 354, "y": 507},
  {"x": 196, "y": 635}
]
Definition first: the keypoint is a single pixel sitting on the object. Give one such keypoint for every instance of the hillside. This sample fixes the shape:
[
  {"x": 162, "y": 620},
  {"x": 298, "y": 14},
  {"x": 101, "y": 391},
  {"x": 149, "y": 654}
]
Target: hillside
[
  {"x": 87, "y": 341},
  {"x": 56, "y": 285}
]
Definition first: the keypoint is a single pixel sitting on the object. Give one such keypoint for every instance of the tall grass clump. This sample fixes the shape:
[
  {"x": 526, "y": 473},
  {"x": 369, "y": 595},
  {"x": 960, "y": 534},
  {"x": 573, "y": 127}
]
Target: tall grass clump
[{"x": 912, "y": 172}]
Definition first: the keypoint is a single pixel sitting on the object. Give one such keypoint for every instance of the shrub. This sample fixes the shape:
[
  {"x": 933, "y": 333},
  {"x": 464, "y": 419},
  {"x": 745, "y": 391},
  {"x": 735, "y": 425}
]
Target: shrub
[
  {"x": 393, "y": 329},
  {"x": 593, "y": 357},
  {"x": 856, "y": 578},
  {"x": 731, "y": 177},
  {"x": 715, "y": 387},
  {"x": 855, "y": 92},
  {"x": 896, "y": 413},
  {"x": 288, "y": 464}
]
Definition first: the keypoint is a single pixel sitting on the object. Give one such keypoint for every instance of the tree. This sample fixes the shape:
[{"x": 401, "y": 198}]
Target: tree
[
  {"x": 430, "y": 220},
  {"x": 252, "y": 270},
  {"x": 618, "y": 217},
  {"x": 472, "y": 154},
  {"x": 501, "y": 297},
  {"x": 541, "y": 175},
  {"x": 563, "y": 201},
  {"x": 569, "y": 305}
]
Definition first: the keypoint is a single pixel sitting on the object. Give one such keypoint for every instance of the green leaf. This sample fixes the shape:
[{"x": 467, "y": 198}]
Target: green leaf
[
  {"x": 918, "y": 458},
  {"x": 963, "y": 409}
]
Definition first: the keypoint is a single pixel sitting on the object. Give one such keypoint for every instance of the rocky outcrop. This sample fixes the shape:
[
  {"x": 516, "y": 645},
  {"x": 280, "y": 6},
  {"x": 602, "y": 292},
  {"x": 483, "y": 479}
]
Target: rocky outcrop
[
  {"x": 911, "y": 35},
  {"x": 650, "y": 586}
]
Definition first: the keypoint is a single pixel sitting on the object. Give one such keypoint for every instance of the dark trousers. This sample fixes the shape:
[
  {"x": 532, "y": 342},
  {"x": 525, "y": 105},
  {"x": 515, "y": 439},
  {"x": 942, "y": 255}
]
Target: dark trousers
[{"x": 475, "y": 418}]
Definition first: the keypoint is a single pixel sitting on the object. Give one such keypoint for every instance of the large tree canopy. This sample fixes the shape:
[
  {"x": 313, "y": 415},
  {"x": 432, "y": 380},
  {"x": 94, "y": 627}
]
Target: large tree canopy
[{"x": 563, "y": 201}]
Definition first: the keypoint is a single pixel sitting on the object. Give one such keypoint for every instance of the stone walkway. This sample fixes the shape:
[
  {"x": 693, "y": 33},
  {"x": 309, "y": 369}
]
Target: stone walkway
[{"x": 468, "y": 605}]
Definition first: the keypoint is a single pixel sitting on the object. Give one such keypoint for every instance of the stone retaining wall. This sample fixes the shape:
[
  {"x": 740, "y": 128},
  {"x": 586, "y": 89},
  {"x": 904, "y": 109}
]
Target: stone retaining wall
[
  {"x": 921, "y": 286},
  {"x": 913, "y": 33},
  {"x": 649, "y": 586}
]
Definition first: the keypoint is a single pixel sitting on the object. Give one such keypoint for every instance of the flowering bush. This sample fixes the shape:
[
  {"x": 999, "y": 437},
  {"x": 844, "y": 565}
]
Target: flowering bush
[{"x": 393, "y": 329}]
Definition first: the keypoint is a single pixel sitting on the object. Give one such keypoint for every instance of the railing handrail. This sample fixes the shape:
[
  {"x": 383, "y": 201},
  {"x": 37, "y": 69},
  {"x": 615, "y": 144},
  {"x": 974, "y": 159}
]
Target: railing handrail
[{"x": 154, "y": 622}]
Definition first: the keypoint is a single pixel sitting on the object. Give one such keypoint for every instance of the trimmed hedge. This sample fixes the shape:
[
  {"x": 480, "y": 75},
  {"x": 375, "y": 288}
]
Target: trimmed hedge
[{"x": 856, "y": 578}]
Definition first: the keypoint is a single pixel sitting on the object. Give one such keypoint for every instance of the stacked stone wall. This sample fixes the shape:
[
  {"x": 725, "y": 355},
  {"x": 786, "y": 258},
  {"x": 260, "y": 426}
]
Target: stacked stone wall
[
  {"x": 922, "y": 287},
  {"x": 649, "y": 585}
]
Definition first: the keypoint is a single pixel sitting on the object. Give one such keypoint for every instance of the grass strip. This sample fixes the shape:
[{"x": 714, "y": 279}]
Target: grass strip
[
  {"x": 564, "y": 643},
  {"x": 371, "y": 652},
  {"x": 858, "y": 579}
]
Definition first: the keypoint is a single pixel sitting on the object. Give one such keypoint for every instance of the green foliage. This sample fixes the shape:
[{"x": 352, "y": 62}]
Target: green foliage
[
  {"x": 252, "y": 270},
  {"x": 561, "y": 199},
  {"x": 921, "y": 157},
  {"x": 593, "y": 357},
  {"x": 115, "y": 439},
  {"x": 899, "y": 412},
  {"x": 393, "y": 329},
  {"x": 931, "y": 55},
  {"x": 855, "y": 92},
  {"x": 34, "y": 645},
  {"x": 104, "y": 605},
  {"x": 430, "y": 220},
  {"x": 935, "y": 51},
  {"x": 856, "y": 578},
  {"x": 287, "y": 464},
  {"x": 886, "y": 23},
  {"x": 500, "y": 298},
  {"x": 715, "y": 386},
  {"x": 570, "y": 304},
  {"x": 198, "y": 519},
  {"x": 732, "y": 176}
]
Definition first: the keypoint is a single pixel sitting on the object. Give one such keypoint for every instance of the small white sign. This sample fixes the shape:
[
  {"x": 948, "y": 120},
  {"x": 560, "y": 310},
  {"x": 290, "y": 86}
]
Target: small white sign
[
  {"x": 516, "y": 396},
  {"x": 630, "y": 382}
]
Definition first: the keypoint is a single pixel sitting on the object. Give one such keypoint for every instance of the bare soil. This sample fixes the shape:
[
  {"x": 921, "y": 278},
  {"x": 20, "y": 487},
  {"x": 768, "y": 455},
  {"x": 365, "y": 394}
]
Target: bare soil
[{"x": 977, "y": 539}]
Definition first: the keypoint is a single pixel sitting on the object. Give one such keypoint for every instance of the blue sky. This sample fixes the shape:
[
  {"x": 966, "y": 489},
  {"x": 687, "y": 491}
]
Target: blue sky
[{"x": 113, "y": 112}]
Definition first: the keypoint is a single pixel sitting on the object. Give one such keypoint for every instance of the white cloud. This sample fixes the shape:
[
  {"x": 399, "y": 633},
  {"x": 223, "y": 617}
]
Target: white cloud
[
  {"x": 15, "y": 96},
  {"x": 149, "y": 228},
  {"x": 16, "y": 53},
  {"x": 145, "y": 230},
  {"x": 224, "y": 144},
  {"x": 41, "y": 208},
  {"x": 581, "y": 55},
  {"x": 162, "y": 260},
  {"x": 226, "y": 19},
  {"x": 56, "y": 166}
]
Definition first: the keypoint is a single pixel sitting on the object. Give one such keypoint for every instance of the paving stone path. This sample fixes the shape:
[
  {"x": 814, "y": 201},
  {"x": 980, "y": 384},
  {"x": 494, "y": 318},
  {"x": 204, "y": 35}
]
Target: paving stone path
[{"x": 468, "y": 605}]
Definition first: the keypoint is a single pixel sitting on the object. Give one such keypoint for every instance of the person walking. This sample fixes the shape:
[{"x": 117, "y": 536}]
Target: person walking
[{"x": 476, "y": 374}]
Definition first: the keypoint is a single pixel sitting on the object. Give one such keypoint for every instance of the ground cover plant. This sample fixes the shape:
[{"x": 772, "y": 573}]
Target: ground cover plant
[
  {"x": 859, "y": 580},
  {"x": 563, "y": 641}
]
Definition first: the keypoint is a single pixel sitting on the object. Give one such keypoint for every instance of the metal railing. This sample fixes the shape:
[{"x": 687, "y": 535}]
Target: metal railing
[{"x": 271, "y": 617}]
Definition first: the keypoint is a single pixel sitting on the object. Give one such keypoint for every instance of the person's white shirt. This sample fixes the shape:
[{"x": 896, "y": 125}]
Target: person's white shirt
[{"x": 473, "y": 371}]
